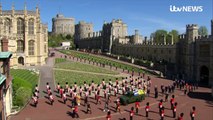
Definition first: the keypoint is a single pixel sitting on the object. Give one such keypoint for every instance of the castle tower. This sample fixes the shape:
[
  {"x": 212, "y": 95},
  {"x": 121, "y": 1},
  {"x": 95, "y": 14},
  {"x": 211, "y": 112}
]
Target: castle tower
[{"x": 191, "y": 32}]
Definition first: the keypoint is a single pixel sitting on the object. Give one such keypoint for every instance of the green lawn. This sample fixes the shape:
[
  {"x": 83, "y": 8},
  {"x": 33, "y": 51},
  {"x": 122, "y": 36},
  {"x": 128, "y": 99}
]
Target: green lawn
[
  {"x": 102, "y": 60},
  {"x": 62, "y": 77},
  {"x": 83, "y": 67},
  {"x": 59, "y": 60},
  {"x": 26, "y": 75}
]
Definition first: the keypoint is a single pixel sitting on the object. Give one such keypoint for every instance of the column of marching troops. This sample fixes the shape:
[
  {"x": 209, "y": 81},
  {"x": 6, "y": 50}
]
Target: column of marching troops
[{"x": 76, "y": 92}]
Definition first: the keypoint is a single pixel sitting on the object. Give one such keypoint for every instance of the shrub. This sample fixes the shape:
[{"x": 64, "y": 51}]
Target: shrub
[
  {"x": 18, "y": 82},
  {"x": 22, "y": 95}
]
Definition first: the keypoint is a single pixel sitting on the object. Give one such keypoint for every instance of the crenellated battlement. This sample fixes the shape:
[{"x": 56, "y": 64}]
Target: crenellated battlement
[
  {"x": 200, "y": 38},
  {"x": 190, "y": 26}
]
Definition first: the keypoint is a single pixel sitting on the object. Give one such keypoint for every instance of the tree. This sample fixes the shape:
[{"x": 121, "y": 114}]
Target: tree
[
  {"x": 174, "y": 34},
  {"x": 202, "y": 31},
  {"x": 158, "y": 35}
]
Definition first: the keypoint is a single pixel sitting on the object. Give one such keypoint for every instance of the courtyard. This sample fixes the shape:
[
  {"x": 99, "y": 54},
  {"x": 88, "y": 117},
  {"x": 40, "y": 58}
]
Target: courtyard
[{"x": 62, "y": 70}]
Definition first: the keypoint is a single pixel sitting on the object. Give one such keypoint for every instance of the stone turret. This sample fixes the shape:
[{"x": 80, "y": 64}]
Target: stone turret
[
  {"x": 37, "y": 11},
  {"x": 13, "y": 9},
  {"x": 25, "y": 9},
  {"x": 191, "y": 32}
]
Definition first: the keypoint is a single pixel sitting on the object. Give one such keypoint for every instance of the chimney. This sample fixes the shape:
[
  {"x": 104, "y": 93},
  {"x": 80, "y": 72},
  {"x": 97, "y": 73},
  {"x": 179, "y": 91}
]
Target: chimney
[{"x": 4, "y": 43}]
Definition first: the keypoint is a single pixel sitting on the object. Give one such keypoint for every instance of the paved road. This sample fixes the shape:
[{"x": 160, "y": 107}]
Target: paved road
[{"x": 46, "y": 72}]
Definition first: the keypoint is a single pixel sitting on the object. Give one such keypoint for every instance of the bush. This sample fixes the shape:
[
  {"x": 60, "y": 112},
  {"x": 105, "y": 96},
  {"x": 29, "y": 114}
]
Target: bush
[
  {"x": 22, "y": 91},
  {"x": 18, "y": 82},
  {"x": 22, "y": 96}
]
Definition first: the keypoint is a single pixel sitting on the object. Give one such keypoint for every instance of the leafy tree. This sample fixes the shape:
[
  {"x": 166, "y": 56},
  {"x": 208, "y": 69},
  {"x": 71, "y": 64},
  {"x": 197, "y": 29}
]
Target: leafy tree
[
  {"x": 174, "y": 34},
  {"x": 203, "y": 31},
  {"x": 158, "y": 35},
  {"x": 56, "y": 39}
]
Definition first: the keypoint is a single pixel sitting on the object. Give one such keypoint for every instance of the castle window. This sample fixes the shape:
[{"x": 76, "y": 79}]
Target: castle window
[
  {"x": 20, "y": 46},
  {"x": 20, "y": 26},
  {"x": 31, "y": 26},
  {"x": 31, "y": 47},
  {"x": 7, "y": 25}
]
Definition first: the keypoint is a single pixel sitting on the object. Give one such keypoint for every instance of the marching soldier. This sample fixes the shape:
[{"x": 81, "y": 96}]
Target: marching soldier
[
  {"x": 118, "y": 105},
  {"x": 174, "y": 110},
  {"x": 35, "y": 100},
  {"x": 172, "y": 101},
  {"x": 137, "y": 104},
  {"x": 181, "y": 116},
  {"x": 160, "y": 105},
  {"x": 162, "y": 113},
  {"x": 147, "y": 109},
  {"x": 64, "y": 97},
  {"x": 192, "y": 113},
  {"x": 51, "y": 99},
  {"x": 58, "y": 87},
  {"x": 131, "y": 113},
  {"x": 108, "y": 117}
]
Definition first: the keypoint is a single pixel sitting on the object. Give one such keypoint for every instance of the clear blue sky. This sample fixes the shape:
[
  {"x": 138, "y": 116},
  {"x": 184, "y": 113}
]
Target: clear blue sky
[{"x": 144, "y": 15}]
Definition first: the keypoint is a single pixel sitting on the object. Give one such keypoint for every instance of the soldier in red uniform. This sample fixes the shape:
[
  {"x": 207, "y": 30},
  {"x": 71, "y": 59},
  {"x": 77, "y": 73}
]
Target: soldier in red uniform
[
  {"x": 108, "y": 117},
  {"x": 61, "y": 92},
  {"x": 58, "y": 87},
  {"x": 64, "y": 97},
  {"x": 172, "y": 101},
  {"x": 35, "y": 100},
  {"x": 162, "y": 113},
  {"x": 75, "y": 111},
  {"x": 174, "y": 110},
  {"x": 47, "y": 86},
  {"x": 160, "y": 105},
  {"x": 51, "y": 99},
  {"x": 137, "y": 105},
  {"x": 98, "y": 99},
  {"x": 118, "y": 105},
  {"x": 36, "y": 87},
  {"x": 131, "y": 113},
  {"x": 181, "y": 116},
  {"x": 192, "y": 113},
  {"x": 147, "y": 109}
]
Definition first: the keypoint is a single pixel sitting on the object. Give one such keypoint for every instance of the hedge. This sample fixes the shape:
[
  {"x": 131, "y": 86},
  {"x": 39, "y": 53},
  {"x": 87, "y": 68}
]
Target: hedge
[{"x": 22, "y": 91}]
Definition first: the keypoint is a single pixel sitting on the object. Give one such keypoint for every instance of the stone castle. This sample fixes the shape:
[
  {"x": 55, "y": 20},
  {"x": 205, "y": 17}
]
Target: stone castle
[
  {"x": 190, "y": 59},
  {"x": 63, "y": 25},
  {"x": 24, "y": 35}
]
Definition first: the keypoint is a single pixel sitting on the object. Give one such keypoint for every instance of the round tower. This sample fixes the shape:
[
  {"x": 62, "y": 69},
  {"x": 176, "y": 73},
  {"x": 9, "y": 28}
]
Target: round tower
[{"x": 191, "y": 32}]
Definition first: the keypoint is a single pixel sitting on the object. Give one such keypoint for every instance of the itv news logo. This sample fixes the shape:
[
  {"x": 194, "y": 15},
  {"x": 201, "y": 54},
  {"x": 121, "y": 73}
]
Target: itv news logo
[{"x": 174, "y": 8}]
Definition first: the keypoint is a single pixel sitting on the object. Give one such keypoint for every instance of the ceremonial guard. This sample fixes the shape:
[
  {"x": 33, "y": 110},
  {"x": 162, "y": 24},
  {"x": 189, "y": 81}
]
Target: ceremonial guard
[{"x": 147, "y": 109}]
